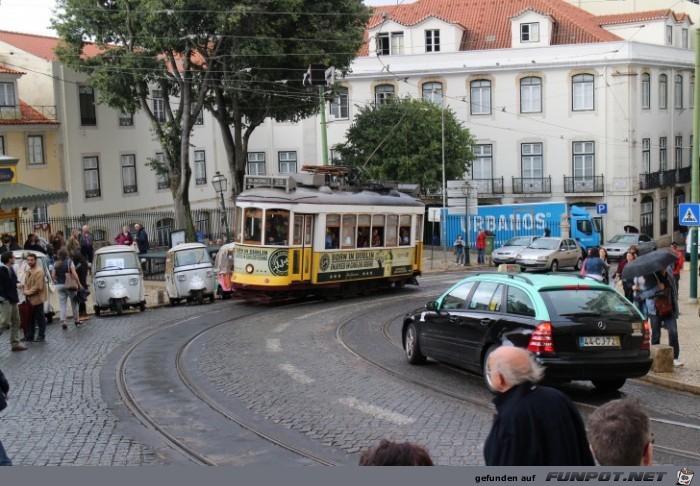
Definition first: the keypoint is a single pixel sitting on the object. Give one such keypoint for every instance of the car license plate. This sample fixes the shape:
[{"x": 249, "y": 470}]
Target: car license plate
[{"x": 599, "y": 341}]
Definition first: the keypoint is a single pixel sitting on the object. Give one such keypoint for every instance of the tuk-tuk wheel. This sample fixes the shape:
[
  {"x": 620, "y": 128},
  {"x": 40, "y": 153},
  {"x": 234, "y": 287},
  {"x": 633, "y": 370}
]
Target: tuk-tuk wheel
[
  {"x": 118, "y": 307},
  {"x": 200, "y": 297},
  {"x": 97, "y": 311},
  {"x": 142, "y": 306},
  {"x": 173, "y": 301}
]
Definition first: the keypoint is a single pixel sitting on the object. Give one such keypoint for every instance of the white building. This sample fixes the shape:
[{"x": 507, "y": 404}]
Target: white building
[{"x": 564, "y": 105}]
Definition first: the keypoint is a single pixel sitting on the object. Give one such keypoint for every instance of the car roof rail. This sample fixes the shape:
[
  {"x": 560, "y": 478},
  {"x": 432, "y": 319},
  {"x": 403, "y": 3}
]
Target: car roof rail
[{"x": 510, "y": 275}]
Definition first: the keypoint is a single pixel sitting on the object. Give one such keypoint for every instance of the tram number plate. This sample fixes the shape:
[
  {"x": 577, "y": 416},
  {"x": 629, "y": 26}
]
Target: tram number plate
[{"x": 599, "y": 341}]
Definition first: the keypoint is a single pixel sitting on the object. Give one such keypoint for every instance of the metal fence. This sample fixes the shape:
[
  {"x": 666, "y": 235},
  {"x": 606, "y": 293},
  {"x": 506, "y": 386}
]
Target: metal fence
[{"x": 104, "y": 227}]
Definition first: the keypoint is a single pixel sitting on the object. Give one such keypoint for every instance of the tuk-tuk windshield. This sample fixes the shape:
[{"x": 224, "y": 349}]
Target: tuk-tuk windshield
[
  {"x": 116, "y": 261},
  {"x": 195, "y": 256},
  {"x": 224, "y": 260}
]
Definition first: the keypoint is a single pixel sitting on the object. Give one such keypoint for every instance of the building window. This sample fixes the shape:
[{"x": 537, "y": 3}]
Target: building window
[
  {"x": 256, "y": 163},
  {"x": 584, "y": 159},
  {"x": 678, "y": 199},
  {"x": 158, "y": 105},
  {"x": 482, "y": 167},
  {"x": 88, "y": 117},
  {"x": 201, "y": 222},
  {"x": 2, "y": 145},
  {"x": 126, "y": 119},
  {"x": 163, "y": 228},
  {"x": 433, "y": 92},
  {"x": 684, "y": 38},
  {"x": 663, "y": 156},
  {"x": 129, "y": 174},
  {"x": 531, "y": 160},
  {"x": 200, "y": 168},
  {"x": 480, "y": 97},
  {"x": 530, "y": 32},
  {"x": 287, "y": 162},
  {"x": 691, "y": 92},
  {"x": 663, "y": 215},
  {"x": 583, "y": 92},
  {"x": 200, "y": 118},
  {"x": 663, "y": 91},
  {"x": 646, "y": 155},
  {"x": 690, "y": 151},
  {"x": 339, "y": 106},
  {"x": 531, "y": 95},
  {"x": 390, "y": 44},
  {"x": 162, "y": 179},
  {"x": 40, "y": 214},
  {"x": 432, "y": 40},
  {"x": 678, "y": 158},
  {"x": 91, "y": 174},
  {"x": 7, "y": 94},
  {"x": 646, "y": 217},
  {"x": 678, "y": 92},
  {"x": 669, "y": 35},
  {"x": 35, "y": 149},
  {"x": 336, "y": 157},
  {"x": 646, "y": 91},
  {"x": 383, "y": 94}
]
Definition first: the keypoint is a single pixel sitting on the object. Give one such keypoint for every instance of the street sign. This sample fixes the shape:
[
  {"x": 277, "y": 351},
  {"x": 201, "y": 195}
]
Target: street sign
[
  {"x": 434, "y": 215},
  {"x": 689, "y": 214},
  {"x": 601, "y": 208}
]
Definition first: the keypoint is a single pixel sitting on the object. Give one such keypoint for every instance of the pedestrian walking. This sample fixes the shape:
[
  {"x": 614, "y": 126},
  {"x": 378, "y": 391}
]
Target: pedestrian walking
[
  {"x": 35, "y": 289},
  {"x": 678, "y": 267},
  {"x": 81, "y": 269},
  {"x": 64, "y": 266},
  {"x": 481, "y": 247},
  {"x": 4, "y": 392},
  {"x": 141, "y": 239},
  {"x": 9, "y": 312},
  {"x": 87, "y": 247},
  {"x": 459, "y": 250},
  {"x": 627, "y": 284},
  {"x": 534, "y": 425},
  {"x": 389, "y": 453},
  {"x": 662, "y": 286},
  {"x": 620, "y": 434}
]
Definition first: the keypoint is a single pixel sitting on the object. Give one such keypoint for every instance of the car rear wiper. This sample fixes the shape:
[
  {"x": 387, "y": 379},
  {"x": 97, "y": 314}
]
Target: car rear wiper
[{"x": 581, "y": 314}]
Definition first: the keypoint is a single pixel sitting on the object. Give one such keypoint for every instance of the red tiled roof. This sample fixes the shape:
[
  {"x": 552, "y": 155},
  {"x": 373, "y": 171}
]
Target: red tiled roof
[
  {"x": 7, "y": 70},
  {"x": 28, "y": 116},
  {"x": 39, "y": 45},
  {"x": 627, "y": 18},
  {"x": 487, "y": 22}
]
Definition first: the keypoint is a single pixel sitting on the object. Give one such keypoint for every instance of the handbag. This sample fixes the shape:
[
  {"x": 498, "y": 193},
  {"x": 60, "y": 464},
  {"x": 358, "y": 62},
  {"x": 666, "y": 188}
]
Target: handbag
[
  {"x": 71, "y": 282},
  {"x": 663, "y": 305}
]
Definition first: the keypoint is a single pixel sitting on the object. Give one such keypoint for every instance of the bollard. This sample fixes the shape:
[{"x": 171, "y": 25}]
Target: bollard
[{"x": 663, "y": 358}]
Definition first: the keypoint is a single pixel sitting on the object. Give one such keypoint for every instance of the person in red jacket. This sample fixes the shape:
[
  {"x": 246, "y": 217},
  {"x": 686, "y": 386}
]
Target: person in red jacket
[
  {"x": 124, "y": 238},
  {"x": 679, "y": 264},
  {"x": 480, "y": 247}
]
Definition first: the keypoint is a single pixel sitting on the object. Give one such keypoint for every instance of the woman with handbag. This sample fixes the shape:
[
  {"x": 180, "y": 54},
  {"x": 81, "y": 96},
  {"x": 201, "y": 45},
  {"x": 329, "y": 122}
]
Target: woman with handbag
[{"x": 67, "y": 284}]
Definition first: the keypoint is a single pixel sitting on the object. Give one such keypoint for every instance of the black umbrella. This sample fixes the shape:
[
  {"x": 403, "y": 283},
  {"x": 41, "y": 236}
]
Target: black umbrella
[
  {"x": 630, "y": 229},
  {"x": 647, "y": 264}
]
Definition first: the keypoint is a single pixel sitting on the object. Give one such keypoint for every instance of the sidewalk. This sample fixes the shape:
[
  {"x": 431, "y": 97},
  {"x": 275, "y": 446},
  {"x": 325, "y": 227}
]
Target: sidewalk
[{"x": 684, "y": 378}]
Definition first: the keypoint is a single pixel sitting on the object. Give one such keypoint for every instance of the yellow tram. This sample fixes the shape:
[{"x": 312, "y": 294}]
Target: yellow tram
[{"x": 296, "y": 235}]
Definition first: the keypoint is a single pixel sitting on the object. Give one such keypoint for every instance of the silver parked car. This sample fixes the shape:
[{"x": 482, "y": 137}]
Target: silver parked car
[
  {"x": 552, "y": 254},
  {"x": 510, "y": 249},
  {"x": 618, "y": 245}
]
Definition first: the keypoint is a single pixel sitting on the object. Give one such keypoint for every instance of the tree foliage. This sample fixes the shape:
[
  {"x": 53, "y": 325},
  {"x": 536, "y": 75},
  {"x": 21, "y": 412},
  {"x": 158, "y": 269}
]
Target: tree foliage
[{"x": 402, "y": 140}]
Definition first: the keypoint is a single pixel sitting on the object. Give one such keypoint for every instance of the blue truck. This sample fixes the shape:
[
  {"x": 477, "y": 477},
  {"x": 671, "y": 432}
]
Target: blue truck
[{"x": 504, "y": 221}]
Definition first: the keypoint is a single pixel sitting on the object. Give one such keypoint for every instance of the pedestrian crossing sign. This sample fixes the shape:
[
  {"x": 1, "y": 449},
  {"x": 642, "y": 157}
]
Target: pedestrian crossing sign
[{"x": 689, "y": 214}]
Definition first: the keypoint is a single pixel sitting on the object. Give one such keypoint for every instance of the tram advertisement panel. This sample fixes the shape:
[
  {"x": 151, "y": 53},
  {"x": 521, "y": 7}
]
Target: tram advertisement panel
[
  {"x": 359, "y": 264},
  {"x": 257, "y": 260}
]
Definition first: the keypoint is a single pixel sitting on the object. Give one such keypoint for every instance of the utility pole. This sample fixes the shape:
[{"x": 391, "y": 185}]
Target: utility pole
[{"x": 695, "y": 176}]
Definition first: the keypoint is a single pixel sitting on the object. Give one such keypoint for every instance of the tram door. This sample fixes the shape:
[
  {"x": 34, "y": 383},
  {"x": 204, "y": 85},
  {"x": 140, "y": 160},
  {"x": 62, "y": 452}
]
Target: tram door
[{"x": 301, "y": 257}]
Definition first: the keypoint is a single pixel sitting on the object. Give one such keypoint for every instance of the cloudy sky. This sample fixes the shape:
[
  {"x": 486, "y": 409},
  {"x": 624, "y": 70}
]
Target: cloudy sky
[{"x": 34, "y": 16}]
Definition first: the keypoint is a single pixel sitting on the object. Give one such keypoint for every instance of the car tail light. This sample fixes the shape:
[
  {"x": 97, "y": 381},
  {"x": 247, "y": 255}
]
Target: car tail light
[
  {"x": 541, "y": 340},
  {"x": 646, "y": 340}
]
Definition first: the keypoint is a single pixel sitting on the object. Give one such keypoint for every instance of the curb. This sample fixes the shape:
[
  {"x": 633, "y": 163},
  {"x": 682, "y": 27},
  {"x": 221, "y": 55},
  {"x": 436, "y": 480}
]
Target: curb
[{"x": 672, "y": 384}]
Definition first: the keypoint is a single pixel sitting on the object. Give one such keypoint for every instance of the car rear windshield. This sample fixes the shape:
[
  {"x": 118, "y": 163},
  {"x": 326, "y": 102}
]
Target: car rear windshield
[
  {"x": 544, "y": 244},
  {"x": 572, "y": 303},
  {"x": 632, "y": 239}
]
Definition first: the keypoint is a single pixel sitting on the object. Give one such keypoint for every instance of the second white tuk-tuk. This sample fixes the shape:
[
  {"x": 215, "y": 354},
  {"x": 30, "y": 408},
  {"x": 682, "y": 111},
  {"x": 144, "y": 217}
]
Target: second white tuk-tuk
[
  {"x": 189, "y": 273},
  {"x": 117, "y": 279}
]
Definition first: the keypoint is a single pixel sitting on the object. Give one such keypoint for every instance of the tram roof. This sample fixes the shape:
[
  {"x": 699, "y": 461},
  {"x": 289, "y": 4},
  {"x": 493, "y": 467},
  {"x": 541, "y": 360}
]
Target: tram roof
[{"x": 327, "y": 196}]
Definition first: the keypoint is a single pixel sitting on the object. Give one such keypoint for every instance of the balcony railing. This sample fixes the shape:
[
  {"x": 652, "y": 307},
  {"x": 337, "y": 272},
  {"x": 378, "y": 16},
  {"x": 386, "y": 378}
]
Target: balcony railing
[
  {"x": 15, "y": 112},
  {"x": 532, "y": 185},
  {"x": 488, "y": 187},
  {"x": 664, "y": 178},
  {"x": 583, "y": 184}
]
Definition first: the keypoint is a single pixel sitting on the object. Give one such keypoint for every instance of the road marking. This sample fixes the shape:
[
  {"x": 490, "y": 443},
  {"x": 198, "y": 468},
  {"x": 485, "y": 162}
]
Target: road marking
[
  {"x": 377, "y": 412},
  {"x": 296, "y": 373},
  {"x": 274, "y": 345},
  {"x": 281, "y": 327}
]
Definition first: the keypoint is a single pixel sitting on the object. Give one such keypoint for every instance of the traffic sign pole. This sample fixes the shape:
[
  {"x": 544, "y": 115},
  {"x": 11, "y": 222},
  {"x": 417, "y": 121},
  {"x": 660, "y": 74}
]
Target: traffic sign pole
[{"x": 695, "y": 177}]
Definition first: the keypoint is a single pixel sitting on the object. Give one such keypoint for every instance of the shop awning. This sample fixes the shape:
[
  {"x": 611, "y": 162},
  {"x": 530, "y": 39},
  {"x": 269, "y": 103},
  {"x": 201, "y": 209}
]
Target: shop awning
[{"x": 17, "y": 195}]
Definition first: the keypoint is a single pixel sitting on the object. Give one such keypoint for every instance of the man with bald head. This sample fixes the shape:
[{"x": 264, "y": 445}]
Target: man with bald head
[{"x": 534, "y": 425}]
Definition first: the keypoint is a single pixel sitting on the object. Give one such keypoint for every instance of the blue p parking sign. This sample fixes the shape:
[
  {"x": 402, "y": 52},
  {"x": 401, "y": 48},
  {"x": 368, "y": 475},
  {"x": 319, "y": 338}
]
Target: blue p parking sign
[{"x": 601, "y": 208}]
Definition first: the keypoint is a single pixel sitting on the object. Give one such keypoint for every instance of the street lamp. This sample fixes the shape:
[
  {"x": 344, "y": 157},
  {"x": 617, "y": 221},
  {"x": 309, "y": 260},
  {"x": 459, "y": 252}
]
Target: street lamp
[{"x": 220, "y": 183}]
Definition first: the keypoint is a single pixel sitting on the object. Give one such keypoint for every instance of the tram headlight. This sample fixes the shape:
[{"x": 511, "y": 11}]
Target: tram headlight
[{"x": 249, "y": 268}]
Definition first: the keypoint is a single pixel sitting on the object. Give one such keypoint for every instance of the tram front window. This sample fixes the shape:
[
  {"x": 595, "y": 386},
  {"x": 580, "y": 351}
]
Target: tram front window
[
  {"x": 276, "y": 226},
  {"x": 252, "y": 228}
]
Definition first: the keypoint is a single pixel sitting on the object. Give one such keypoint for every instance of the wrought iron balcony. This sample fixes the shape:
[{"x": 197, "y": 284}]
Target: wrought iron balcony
[
  {"x": 664, "y": 178},
  {"x": 488, "y": 187},
  {"x": 584, "y": 184},
  {"x": 532, "y": 185}
]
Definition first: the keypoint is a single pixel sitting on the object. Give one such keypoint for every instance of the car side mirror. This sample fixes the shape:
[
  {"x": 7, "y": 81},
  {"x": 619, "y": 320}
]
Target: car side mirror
[{"x": 432, "y": 306}]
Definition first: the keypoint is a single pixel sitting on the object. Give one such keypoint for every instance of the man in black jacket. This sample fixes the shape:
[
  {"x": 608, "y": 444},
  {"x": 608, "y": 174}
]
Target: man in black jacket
[
  {"x": 9, "y": 313},
  {"x": 4, "y": 390},
  {"x": 534, "y": 425}
]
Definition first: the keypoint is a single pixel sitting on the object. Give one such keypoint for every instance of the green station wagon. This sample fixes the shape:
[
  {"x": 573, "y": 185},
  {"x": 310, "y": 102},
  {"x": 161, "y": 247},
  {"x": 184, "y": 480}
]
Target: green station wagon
[{"x": 577, "y": 328}]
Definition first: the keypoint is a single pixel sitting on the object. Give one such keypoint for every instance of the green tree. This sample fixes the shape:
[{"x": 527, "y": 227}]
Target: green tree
[
  {"x": 260, "y": 75},
  {"x": 402, "y": 140},
  {"x": 128, "y": 48}
]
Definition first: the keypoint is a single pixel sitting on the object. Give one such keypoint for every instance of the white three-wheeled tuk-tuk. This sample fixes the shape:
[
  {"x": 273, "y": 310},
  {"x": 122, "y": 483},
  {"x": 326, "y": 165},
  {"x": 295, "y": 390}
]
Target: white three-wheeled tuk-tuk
[
  {"x": 117, "y": 279},
  {"x": 189, "y": 273}
]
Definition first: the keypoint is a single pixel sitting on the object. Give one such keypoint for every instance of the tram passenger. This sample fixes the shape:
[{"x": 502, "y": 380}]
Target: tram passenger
[
  {"x": 376, "y": 238},
  {"x": 362, "y": 237},
  {"x": 404, "y": 240}
]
